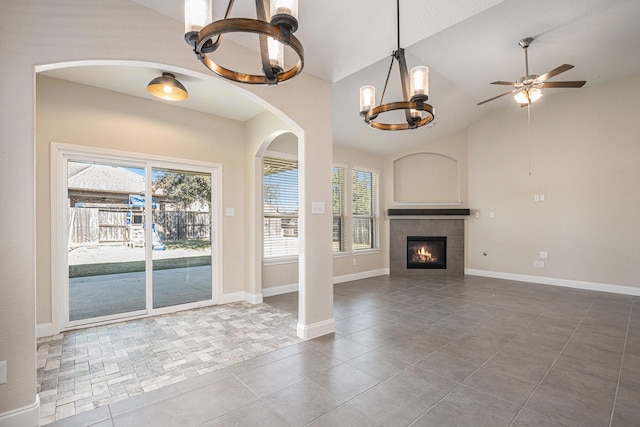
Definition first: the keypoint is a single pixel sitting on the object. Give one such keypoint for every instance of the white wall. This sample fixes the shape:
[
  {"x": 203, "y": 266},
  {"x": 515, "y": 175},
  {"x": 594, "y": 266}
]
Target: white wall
[
  {"x": 585, "y": 159},
  {"x": 38, "y": 32}
]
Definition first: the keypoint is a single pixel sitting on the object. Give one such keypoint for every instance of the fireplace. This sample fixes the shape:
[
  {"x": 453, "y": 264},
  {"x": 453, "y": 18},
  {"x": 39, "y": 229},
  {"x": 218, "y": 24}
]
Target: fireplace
[{"x": 428, "y": 252}]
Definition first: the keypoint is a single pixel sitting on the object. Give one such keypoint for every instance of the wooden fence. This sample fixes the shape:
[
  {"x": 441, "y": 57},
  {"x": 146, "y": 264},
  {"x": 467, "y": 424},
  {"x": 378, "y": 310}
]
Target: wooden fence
[
  {"x": 181, "y": 225},
  {"x": 99, "y": 225}
]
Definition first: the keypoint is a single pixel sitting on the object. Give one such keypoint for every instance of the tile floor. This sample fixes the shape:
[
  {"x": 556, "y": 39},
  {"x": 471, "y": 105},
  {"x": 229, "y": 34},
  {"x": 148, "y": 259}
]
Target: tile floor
[
  {"x": 84, "y": 369},
  {"x": 468, "y": 351}
]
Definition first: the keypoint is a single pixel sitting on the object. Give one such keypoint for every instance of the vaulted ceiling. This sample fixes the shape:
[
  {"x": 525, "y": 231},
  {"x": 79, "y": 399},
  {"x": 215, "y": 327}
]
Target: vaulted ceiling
[{"x": 466, "y": 43}]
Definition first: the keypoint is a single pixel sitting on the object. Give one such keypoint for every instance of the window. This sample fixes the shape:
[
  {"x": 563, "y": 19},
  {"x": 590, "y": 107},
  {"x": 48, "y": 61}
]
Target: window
[
  {"x": 365, "y": 209},
  {"x": 280, "y": 207},
  {"x": 338, "y": 203}
]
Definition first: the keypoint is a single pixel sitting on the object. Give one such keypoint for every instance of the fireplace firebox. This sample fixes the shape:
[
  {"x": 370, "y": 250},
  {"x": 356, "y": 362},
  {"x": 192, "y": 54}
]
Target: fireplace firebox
[{"x": 427, "y": 252}]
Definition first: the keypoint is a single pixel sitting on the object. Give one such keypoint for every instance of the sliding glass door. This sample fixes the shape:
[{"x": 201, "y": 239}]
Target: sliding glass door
[
  {"x": 106, "y": 260},
  {"x": 127, "y": 254},
  {"x": 181, "y": 237}
]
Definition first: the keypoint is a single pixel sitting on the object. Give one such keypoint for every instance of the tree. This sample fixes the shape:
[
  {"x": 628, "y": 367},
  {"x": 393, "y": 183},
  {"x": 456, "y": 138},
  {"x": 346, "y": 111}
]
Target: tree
[{"x": 184, "y": 188}]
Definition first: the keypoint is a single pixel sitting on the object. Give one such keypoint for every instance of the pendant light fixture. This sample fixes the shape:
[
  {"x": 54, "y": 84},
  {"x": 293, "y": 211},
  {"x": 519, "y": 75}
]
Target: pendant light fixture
[
  {"x": 415, "y": 92},
  {"x": 276, "y": 22},
  {"x": 168, "y": 88}
]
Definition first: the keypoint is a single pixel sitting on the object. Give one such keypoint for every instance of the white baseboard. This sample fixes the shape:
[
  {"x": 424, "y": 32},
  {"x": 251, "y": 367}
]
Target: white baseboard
[
  {"x": 578, "y": 284},
  {"x": 253, "y": 298},
  {"x": 294, "y": 287},
  {"x": 44, "y": 330},
  {"x": 27, "y": 416},
  {"x": 361, "y": 275},
  {"x": 241, "y": 296},
  {"x": 279, "y": 290},
  {"x": 308, "y": 332}
]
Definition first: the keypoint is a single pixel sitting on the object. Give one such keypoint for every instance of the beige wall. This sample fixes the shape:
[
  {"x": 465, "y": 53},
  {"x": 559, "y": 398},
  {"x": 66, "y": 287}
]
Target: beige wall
[
  {"x": 82, "y": 30},
  {"x": 77, "y": 114},
  {"x": 585, "y": 159},
  {"x": 453, "y": 146},
  {"x": 365, "y": 261}
]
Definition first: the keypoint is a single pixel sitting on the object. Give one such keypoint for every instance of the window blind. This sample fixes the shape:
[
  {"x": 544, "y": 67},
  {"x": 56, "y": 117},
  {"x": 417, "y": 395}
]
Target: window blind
[
  {"x": 339, "y": 209},
  {"x": 365, "y": 209},
  {"x": 280, "y": 208}
]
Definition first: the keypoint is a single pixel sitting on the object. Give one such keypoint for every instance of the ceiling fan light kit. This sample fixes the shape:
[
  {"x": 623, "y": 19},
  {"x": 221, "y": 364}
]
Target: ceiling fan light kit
[
  {"x": 415, "y": 91},
  {"x": 528, "y": 89},
  {"x": 274, "y": 33}
]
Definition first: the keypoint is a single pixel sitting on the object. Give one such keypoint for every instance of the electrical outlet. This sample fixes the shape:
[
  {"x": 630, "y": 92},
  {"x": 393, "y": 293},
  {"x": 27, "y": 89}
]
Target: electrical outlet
[
  {"x": 543, "y": 255},
  {"x": 541, "y": 264},
  {"x": 355, "y": 261},
  {"x": 492, "y": 215},
  {"x": 3, "y": 372},
  {"x": 542, "y": 197},
  {"x": 536, "y": 197},
  {"x": 536, "y": 263},
  {"x": 477, "y": 214}
]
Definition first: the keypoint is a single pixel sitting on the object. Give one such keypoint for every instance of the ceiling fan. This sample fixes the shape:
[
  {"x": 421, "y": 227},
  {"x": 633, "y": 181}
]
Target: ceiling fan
[{"x": 528, "y": 88}]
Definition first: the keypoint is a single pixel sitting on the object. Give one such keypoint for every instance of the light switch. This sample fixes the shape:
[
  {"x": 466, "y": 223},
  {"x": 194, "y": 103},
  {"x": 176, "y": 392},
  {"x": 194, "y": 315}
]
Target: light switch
[{"x": 317, "y": 208}]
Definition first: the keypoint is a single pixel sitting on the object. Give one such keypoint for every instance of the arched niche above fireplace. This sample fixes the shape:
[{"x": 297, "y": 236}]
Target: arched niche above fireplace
[{"x": 429, "y": 178}]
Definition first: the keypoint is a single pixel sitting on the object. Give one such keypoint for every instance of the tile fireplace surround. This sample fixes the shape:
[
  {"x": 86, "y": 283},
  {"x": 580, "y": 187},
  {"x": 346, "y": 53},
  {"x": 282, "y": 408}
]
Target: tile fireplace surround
[{"x": 427, "y": 222}]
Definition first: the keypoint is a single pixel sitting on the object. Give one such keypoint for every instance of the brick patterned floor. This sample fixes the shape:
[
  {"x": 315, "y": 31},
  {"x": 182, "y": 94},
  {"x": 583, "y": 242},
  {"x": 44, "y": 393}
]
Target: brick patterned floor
[{"x": 84, "y": 369}]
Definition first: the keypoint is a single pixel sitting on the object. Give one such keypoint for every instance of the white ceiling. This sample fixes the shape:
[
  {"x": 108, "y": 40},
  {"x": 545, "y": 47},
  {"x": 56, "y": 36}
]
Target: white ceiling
[{"x": 466, "y": 44}]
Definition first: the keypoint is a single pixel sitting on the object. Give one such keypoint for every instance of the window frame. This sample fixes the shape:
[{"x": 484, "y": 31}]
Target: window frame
[
  {"x": 374, "y": 217},
  {"x": 342, "y": 215},
  {"x": 289, "y": 257}
]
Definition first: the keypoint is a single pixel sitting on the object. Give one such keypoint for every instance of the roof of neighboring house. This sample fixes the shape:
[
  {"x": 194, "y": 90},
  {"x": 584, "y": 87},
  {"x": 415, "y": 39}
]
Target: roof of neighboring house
[{"x": 98, "y": 177}]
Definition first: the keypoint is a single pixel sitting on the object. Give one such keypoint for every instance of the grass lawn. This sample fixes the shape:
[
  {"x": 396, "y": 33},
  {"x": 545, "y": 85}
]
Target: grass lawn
[{"x": 101, "y": 269}]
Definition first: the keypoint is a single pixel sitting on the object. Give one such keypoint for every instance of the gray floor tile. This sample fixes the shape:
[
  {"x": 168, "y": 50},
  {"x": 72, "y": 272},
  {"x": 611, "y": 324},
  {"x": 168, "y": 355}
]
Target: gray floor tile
[
  {"x": 85, "y": 419},
  {"x": 386, "y": 406},
  {"x": 567, "y": 409},
  {"x": 254, "y": 414},
  {"x": 172, "y": 411},
  {"x": 269, "y": 378},
  {"x": 527, "y": 418},
  {"x": 310, "y": 361},
  {"x": 302, "y": 403},
  {"x": 342, "y": 349},
  {"x": 142, "y": 400},
  {"x": 344, "y": 381},
  {"x": 627, "y": 408},
  {"x": 447, "y": 366},
  {"x": 467, "y": 407},
  {"x": 378, "y": 365},
  {"x": 214, "y": 400},
  {"x": 446, "y": 327},
  {"x": 491, "y": 380},
  {"x": 420, "y": 384},
  {"x": 344, "y": 416}
]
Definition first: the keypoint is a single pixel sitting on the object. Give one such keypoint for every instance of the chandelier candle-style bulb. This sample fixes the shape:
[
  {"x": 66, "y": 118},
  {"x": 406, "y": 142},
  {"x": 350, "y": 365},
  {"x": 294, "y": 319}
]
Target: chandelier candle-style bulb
[
  {"x": 367, "y": 99},
  {"x": 197, "y": 14},
  {"x": 419, "y": 82},
  {"x": 276, "y": 54},
  {"x": 284, "y": 7},
  {"x": 285, "y": 13}
]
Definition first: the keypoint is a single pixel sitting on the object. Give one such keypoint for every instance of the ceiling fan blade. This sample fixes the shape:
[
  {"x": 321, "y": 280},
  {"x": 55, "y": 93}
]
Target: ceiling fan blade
[
  {"x": 577, "y": 83},
  {"x": 554, "y": 72},
  {"x": 503, "y": 83},
  {"x": 496, "y": 97}
]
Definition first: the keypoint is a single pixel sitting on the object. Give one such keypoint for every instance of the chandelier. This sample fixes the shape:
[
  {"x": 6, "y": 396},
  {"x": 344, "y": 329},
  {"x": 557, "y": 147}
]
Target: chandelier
[
  {"x": 205, "y": 37},
  {"x": 415, "y": 92}
]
